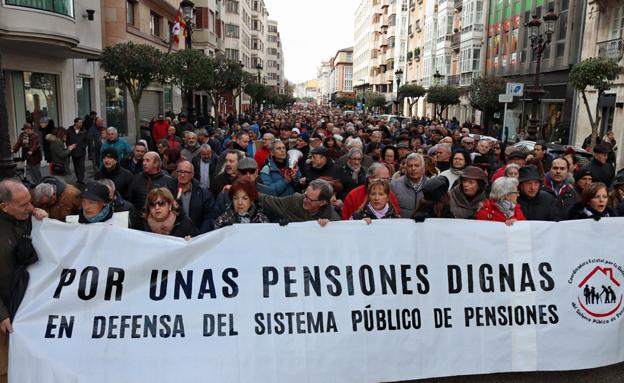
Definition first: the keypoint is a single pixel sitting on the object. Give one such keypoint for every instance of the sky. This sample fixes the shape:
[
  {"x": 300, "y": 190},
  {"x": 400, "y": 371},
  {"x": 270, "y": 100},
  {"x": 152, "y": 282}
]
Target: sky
[{"x": 311, "y": 31}]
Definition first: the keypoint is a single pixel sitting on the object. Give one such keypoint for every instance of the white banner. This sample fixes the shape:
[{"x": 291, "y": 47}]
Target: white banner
[{"x": 391, "y": 301}]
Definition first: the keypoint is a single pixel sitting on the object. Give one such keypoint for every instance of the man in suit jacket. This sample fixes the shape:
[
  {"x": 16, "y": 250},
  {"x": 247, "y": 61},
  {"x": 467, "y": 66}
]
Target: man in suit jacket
[{"x": 205, "y": 166}]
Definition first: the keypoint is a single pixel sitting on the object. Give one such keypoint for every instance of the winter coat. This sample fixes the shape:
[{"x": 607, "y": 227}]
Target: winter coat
[
  {"x": 182, "y": 227},
  {"x": 541, "y": 208},
  {"x": 366, "y": 212},
  {"x": 12, "y": 231},
  {"x": 68, "y": 201},
  {"x": 159, "y": 131},
  {"x": 200, "y": 207},
  {"x": 261, "y": 156},
  {"x": 272, "y": 177},
  {"x": 189, "y": 153},
  {"x": 408, "y": 197},
  {"x": 567, "y": 197},
  {"x": 461, "y": 207},
  {"x": 600, "y": 172},
  {"x": 355, "y": 199},
  {"x": 80, "y": 139},
  {"x": 211, "y": 170},
  {"x": 142, "y": 183},
  {"x": 59, "y": 153},
  {"x": 290, "y": 209},
  {"x": 123, "y": 149},
  {"x": 129, "y": 164},
  {"x": 223, "y": 200},
  {"x": 491, "y": 212},
  {"x": 582, "y": 211},
  {"x": 35, "y": 156},
  {"x": 120, "y": 176},
  {"x": 230, "y": 217},
  {"x": 350, "y": 183}
]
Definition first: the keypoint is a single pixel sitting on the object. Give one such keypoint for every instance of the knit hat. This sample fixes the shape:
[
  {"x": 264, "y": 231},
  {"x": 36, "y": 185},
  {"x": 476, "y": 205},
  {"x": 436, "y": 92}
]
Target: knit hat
[
  {"x": 305, "y": 136},
  {"x": 582, "y": 173},
  {"x": 529, "y": 173},
  {"x": 95, "y": 191},
  {"x": 110, "y": 153},
  {"x": 435, "y": 188}
]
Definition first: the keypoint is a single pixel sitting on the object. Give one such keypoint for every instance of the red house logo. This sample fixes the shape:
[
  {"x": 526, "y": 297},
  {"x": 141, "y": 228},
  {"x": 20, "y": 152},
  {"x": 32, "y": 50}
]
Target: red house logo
[{"x": 600, "y": 292}]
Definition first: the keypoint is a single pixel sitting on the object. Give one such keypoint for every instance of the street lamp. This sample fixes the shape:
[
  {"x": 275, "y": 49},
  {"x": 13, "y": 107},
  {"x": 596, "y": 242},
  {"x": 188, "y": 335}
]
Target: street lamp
[
  {"x": 436, "y": 78},
  {"x": 240, "y": 91},
  {"x": 188, "y": 8},
  {"x": 259, "y": 69},
  {"x": 398, "y": 75},
  {"x": 538, "y": 45}
]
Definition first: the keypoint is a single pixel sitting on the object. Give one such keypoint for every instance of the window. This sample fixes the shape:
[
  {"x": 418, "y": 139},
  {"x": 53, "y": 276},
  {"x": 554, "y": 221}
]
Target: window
[
  {"x": 155, "y": 21},
  {"x": 231, "y": 54},
  {"x": 272, "y": 38},
  {"x": 476, "y": 59},
  {"x": 116, "y": 105},
  {"x": 63, "y": 7},
  {"x": 231, "y": 30},
  {"x": 83, "y": 95},
  {"x": 561, "y": 33},
  {"x": 130, "y": 5},
  {"x": 272, "y": 29},
  {"x": 212, "y": 22},
  {"x": 35, "y": 96},
  {"x": 232, "y": 6}
]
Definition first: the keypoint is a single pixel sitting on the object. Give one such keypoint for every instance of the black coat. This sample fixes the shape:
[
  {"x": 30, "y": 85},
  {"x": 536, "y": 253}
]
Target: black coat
[
  {"x": 120, "y": 176},
  {"x": 600, "y": 172},
  {"x": 128, "y": 164},
  {"x": 182, "y": 227},
  {"x": 578, "y": 212},
  {"x": 211, "y": 171},
  {"x": 329, "y": 170},
  {"x": 541, "y": 208},
  {"x": 81, "y": 139},
  {"x": 200, "y": 207},
  {"x": 139, "y": 187}
]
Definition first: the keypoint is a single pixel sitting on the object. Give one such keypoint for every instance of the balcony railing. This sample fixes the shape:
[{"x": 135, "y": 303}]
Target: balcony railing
[{"x": 612, "y": 49}]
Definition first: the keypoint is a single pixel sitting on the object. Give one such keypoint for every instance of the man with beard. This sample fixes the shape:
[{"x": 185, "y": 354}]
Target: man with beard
[
  {"x": 205, "y": 166},
  {"x": 112, "y": 171},
  {"x": 355, "y": 172},
  {"x": 229, "y": 173}
]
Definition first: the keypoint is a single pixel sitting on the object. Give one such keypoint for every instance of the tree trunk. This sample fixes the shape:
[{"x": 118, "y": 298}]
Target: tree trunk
[
  {"x": 592, "y": 123},
  {"x": 137, "y": 118}
]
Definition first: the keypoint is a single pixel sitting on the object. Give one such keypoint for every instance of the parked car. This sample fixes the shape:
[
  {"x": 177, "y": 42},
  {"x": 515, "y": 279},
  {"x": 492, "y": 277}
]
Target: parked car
[
  {"x": 557, "y": 150},
  {"x": 390, "y": 118}
]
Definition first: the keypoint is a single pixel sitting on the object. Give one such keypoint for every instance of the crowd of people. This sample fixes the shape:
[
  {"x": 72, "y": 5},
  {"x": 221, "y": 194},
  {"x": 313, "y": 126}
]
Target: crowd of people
[{"x": 308, "y": 163}]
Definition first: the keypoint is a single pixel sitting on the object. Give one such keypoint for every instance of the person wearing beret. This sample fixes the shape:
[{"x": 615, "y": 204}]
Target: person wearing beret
[
  {"x": 600, "y": 169},
  {"x": 536, "y": 204},
  {"x": 96, "y": 204}
]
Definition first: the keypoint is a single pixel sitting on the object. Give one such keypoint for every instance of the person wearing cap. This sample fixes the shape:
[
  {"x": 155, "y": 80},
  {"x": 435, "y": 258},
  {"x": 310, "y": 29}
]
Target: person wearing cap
[
  {"x": 28, "y": 141},
  {"x": 279, "y": 174},
  {"x": 601, "y": 170},
  {"x": 557, "y": 182},
  {"x": 435, "y": 202},
  {"x": 408, "y": 187},
  {"x": 96, "y": 204},
  {"x": 123, "y": 149},
  {"x": 264, "y": 151},
  {"x": 502, "y": 206},
  {"x": 467, "y": 197},
  {"x": 616, "y": 197},
  {"x": 321, "y": 165},
  {"x": 113, "y": 171},
  {"x": 536, "y": 204},
  {"x": 316, "y": 140},
  {"x": 512, "y": 156},
  {"x": 195, "y": 200},
  {"x": 151, "y": 177},
  {"x": 582, "y": 179}
]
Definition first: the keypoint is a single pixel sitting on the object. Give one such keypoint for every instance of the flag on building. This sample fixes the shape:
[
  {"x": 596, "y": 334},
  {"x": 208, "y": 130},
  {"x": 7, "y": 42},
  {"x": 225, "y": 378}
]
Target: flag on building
[{"x": 179, "y": 28}]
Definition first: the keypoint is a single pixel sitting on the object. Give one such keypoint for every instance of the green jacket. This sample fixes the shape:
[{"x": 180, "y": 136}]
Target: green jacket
[{"x": 291, "y": 209}]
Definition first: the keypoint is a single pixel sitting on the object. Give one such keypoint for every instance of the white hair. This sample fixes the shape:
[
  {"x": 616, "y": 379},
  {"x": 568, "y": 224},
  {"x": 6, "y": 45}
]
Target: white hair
[
  {"x": 111, "y": 129},
  {"x": 502, "y": 187},
  {"x": 44, "y": 190},
  {"x": 415, "y": 156},
  {"x": 354, "y": 142}
]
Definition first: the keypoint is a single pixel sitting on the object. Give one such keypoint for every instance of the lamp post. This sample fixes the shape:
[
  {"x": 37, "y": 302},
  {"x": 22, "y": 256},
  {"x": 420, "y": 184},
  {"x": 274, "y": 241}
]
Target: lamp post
[
  {"x": 188, "y": 8},
  {"x": 7, "y": 165},
  {"x": 240, "y": 92},
  {"x": 436, "y": 78},
  {"x": 398, "y": 74},
  {"x": 259, "y": 69},
  {"x": 538, "y": 45}
]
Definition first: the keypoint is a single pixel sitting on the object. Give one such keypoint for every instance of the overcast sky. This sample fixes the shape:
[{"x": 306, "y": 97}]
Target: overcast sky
[{"x": 311, "y": 31}]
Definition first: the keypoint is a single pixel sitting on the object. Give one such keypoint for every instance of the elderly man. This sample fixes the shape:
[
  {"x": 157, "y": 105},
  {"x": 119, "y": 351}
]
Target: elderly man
[
  {"x": 134, "y": 163},
  {"x": 408, "y": 187},
  {"x": 112, "y": 171},
  {"x": 16, "y": 252},
  {"x": 190, "y": 149},
  {"x": 355, "y": 143},
  {"x": 536, "y": 204},
  {"x": 313, "y": 204},
  {"x": 195, "y": 200},
  {"x": 468, "y": 143},
  {"x": 173, "y": 140},
  {"x": 443, "y": 156},
  {"x": 321, "y": 165},
  {"x": 205, "y": 166},
  {"x": 356, "y": 197},
  {"x": 57, "y": 198},
  {"x": 557, "y": 183},
  {"x": 150, "y": 178},
  {"x": 355, "y": 172},
  {"x": 113, "y": 141},
  {"x": 229, "y": 172},
  {"x": 277, "y": 174},
  {"x": 263, "y": 153},
  {"x": 601, "y": 170},
  {"x": 160, "y": 128}
]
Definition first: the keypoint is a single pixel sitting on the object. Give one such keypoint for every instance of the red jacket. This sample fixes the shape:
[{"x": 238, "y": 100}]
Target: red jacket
[
  {"x": 159, "y": 131},
  {"x": 356, "y": 198},
  {"x": 261, "y": 156},
  {"x": 491, "y": 212}
]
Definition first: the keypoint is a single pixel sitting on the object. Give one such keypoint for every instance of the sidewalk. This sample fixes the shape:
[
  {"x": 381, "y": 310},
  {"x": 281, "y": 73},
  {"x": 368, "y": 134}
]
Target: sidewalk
[{"x": 70, "y": 177}]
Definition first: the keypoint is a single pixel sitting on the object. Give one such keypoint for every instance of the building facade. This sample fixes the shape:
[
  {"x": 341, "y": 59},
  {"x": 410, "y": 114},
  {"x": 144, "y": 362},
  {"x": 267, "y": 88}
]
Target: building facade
[
  {"x": 45, "y": 47},
  {"x": 415, "y": 48},
  {"x": 341, "y": 75},
  {"x": 275, "y": 58},
  {"x": 363, "y": 46},
  {"x": 603, "y": 36},
  {"x": 323, "y": 77}
]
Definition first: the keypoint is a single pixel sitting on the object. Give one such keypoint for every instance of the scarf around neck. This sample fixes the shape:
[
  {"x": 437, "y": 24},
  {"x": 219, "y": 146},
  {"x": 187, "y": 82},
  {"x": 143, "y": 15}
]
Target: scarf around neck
[
  {"x": 506, "y": 207},
  {"x": 379, "y": 214},
  {"x": 99, "y": 217}
]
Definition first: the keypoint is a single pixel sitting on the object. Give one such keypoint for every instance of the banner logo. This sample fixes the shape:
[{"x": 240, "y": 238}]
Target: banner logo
[{"x": 599, "y": 291}]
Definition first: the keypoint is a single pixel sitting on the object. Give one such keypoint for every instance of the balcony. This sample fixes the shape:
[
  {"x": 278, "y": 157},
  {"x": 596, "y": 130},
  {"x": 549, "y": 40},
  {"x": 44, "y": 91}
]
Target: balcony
[
  {"x": 459, "y": 4},
  {"x": 455, "y": 41},
  {"x": 417, "y": 26},
  {"x": 453, "y": 80},
  {"x": 612, "y": 49}
]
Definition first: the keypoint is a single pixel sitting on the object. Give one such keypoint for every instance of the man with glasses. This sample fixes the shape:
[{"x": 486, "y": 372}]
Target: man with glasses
[
  {"x": 468, "y": 143},
  {"x": 357, "y": 196},
  {"x": 313, "y": 205},
  {"x": 195, "y": 200}
]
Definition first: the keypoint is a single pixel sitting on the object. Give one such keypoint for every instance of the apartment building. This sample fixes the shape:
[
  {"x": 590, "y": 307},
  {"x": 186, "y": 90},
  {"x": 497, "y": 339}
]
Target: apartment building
[
  {"x": 415, "y": 48},
  {"x": 603, "y": 36},
  {"x": 45, "y": 46},
  {"x": 341, "y": 75},
  {"x": 275, "y": 58},
  {"x": 509, "y": 55},
  {"x": 363, "y": 46},
  {"x": 323, "y": 77}
]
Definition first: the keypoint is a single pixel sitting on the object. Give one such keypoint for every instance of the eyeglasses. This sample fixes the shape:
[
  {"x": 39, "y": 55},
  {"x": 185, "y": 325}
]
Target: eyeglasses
[
  {"x": 356, "y": 158},
  {"x": 157, "y": 203},
  {"x": 246, "y": 171},
  {"x": 310, "y": 199}
]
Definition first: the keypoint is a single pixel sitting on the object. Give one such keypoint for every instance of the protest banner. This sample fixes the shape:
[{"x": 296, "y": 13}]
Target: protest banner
[{"x": 392, "y": 301}]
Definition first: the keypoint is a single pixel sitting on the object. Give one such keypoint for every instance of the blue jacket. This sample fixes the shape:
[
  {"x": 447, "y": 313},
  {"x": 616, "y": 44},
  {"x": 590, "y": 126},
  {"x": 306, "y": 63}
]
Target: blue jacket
[
  {"x": 123, "y": 148},
  {"x": 271, "y": 177}
]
